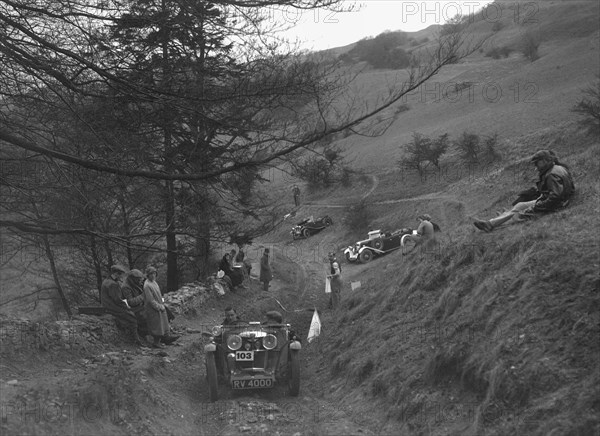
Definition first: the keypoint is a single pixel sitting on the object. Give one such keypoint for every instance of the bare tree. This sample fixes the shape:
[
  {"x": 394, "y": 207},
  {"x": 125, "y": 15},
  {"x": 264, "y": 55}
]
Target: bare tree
[{"x": 170, "y": 96}]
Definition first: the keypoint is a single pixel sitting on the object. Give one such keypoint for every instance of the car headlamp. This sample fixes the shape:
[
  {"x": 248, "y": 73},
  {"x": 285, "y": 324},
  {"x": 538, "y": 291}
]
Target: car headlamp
[
  {"x": 234, "y": 342},
  {"x": 217, "y": 330},
  {"x": 269, "y": 342}
]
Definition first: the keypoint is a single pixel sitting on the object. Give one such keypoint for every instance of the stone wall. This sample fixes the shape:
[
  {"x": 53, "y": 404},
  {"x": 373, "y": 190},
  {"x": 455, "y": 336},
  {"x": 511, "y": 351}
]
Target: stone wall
[{"x": 82, "y": 331}]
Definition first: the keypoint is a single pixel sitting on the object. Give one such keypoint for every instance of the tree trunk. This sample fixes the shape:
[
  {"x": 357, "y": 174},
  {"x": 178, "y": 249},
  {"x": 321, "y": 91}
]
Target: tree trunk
[
  {"x": 202, "y": 247},
  {"x": 97, "y": 266},
  {"x": 50, "y": 256},
  {"x": 172, "y": 273},
  {"x": 126, "y": 228}
]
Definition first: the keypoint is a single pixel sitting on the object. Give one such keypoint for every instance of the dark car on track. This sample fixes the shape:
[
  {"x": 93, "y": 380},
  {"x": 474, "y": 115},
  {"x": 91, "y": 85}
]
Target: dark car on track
[
  {"x": 310, "y": 226},
  {"x": 252, "y": 356},
  {"x": 378, "y": 243}
]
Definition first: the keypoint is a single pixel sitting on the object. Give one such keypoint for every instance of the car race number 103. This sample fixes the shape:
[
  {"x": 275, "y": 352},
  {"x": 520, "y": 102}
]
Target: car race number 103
[{"x": 244, "y": 355}]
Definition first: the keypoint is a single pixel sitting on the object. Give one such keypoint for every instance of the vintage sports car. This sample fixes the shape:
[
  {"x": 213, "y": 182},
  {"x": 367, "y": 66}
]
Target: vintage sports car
[
  {"x": 378, "y": 243},
  {"x": 310, "y": 226},
  {"x": 252, "y": 356}
]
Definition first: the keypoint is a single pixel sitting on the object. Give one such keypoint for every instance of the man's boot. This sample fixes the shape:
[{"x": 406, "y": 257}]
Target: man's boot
[
  {"x": 168, "y": 340},
  {"x": 486, "y": 226}
]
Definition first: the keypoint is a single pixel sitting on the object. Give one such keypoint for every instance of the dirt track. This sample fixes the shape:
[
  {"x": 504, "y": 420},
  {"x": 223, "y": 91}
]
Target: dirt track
[{"x": 296, "y": 288}]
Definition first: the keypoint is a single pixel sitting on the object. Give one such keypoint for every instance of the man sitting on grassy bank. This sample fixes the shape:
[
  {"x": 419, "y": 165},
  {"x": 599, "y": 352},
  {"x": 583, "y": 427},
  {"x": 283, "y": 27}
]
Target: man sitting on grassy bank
[{"x": 554, "y": 190}]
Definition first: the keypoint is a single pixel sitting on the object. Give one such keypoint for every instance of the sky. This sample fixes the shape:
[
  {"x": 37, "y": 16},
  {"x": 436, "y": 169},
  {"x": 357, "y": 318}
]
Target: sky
[{"x": 320, "y": 29}]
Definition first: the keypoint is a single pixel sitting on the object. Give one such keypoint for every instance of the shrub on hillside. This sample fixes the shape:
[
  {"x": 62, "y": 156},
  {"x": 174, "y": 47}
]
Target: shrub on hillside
[
  {"x": 499, "y": 52},
  {"x": 401, "y": 108},
  {"x": 490, "y": 149},
  {"x": 358, "y": 218},
  {"x": 415, "y": 154},
  {"x": 530, "y": 44},
  {"x": 588, "y": 108},
  {"x": 321, "y": 170},
  {"x": 422, "y": 151},
  {"x": 469, "y": 147},
  {"x": 497, "y": 26},
  {"x": 473, "y": 150},
  {"x": 383, "y": 51}
]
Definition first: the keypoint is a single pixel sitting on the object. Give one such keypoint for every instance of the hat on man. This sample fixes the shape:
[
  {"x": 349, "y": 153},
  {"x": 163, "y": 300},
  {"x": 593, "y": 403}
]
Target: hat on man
[
  {"x": 266, "y": 250},
  {"x": 425, "y": 217},
  {"x": 543, "y": 154},
  {"x": 273, "y": 315},
  {"x": 116, "y": 268},
  {"x": 136, "y": 273}
]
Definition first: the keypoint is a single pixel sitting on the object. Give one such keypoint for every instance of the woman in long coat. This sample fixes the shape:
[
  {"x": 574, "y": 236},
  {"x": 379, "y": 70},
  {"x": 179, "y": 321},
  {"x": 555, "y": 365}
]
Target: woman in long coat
[
  {"x": 154, "y": 308},
  {"x": 265, "y": 270}
]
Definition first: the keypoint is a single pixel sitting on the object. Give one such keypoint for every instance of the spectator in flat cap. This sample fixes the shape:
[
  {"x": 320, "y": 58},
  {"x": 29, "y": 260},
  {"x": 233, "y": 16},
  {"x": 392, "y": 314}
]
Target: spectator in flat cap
[
  {"x": 273, "y": 318},
  {"x": 113, "y": 299},
  {"x": 553, "y": 191}
]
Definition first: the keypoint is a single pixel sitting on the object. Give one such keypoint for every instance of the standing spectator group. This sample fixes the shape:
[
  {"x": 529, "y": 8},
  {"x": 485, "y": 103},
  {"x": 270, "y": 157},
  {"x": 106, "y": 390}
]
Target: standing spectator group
[{"x": 137, "y": 305}]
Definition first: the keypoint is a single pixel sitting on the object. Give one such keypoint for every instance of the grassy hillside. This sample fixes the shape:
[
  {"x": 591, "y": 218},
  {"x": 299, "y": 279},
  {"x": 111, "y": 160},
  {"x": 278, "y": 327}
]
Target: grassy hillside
[
  {"x": 498, "y": 331},
  {"x": 487, "y": 334}
]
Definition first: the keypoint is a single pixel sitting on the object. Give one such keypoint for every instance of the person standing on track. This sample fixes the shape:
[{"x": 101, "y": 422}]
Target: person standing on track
[{"x": 335, "y": 280}]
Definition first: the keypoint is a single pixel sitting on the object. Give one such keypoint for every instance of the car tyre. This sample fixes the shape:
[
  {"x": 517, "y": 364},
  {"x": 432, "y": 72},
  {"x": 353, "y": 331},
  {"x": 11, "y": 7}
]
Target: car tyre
[
  {"x": 211, "y": 377},
  {"x": 378, "y": 244},
  {"x": 328, "y": 221},
  {"x": 305, "y": 233},
  {"x": 365, "y": 256},
  {"x": 347, "y": 256},
  {"x": 294, "y": 375}
]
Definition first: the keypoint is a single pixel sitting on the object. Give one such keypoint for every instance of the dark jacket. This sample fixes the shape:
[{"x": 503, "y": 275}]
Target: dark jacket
[
  {"x": 134, "y": 294},
  {"x": 265, "y": 269},
  {"x": 225, "y": 265},
  {"x": 111, "y": 296},
  {"x": 227, "y": 268},
  {"x": 556, "y": 188}
]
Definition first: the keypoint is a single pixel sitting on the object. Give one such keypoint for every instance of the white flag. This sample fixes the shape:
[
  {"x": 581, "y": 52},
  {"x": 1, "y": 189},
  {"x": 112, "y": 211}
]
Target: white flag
[{"x": 315, "y": 327}]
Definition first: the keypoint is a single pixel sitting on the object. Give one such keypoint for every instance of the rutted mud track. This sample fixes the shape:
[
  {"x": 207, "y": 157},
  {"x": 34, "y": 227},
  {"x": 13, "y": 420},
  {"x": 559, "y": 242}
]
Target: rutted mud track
[{"x": 296, "y": 291}]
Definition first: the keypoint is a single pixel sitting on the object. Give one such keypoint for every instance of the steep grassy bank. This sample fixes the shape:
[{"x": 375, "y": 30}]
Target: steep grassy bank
[{"x": 489, "y": 333}]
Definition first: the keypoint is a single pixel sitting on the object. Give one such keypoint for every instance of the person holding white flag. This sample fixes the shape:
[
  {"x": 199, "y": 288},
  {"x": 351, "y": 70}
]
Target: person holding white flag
[
  {"x": 335, "y": 281},
  {"x": 315, "y": 327}
]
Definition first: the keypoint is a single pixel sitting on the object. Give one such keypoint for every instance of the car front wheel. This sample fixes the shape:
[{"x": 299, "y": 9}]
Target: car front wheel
[
  {"x": 306, "y": 233},
  {"x": 365, "y": 256},
  {"x": 294, "y": 375},
  {"x": 211, "y": 377}
]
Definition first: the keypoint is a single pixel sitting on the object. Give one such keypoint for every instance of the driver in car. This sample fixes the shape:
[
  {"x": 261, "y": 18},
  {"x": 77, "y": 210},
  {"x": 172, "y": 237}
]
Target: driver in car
[{"x": 231, "y": 317}]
